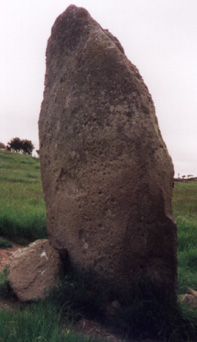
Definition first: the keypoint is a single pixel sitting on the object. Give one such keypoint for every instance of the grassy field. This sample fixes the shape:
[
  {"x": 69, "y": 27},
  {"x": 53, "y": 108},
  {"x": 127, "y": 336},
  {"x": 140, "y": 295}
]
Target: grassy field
[
  {"x": 22, "y": 219},
  {"x": 185, "y": 212},
  {"x": 22, "y": 207}
]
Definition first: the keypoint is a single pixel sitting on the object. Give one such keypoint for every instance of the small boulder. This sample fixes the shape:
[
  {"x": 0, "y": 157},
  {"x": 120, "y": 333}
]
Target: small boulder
[
  {"x": 34, "y": 270},
  {"x": 189, "y": 298}
]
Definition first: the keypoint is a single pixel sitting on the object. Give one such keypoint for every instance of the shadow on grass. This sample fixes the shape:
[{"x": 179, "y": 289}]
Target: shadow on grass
[{"x": 147, "y": 314}]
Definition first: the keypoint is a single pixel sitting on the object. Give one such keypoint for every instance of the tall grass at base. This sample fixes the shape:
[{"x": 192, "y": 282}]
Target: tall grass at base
[
  {"x": 5, "y": 289},
  {"x": 22, "y": 207},
  {"x": 37, "y": 323},
  {"x": 147, "y": 314},
  {"x": 154, "y": 322}
]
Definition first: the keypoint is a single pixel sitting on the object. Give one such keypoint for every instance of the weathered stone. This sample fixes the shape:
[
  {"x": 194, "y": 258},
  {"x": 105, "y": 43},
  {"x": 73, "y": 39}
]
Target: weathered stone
[
  {"x": 34, "y": 270},
  {"x": 106, "y": 172}
]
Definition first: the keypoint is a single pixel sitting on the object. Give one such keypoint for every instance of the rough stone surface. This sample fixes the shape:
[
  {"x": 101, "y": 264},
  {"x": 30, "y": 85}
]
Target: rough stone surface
[
  {"x": 34, "y": 270},
  {"x": 106, "y": 172}
]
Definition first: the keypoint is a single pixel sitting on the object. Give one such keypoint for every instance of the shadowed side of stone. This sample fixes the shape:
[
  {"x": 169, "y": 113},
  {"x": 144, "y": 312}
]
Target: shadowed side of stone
[
  {"x": 106, "y": 172},
  {"x": 34, "y": 270}
]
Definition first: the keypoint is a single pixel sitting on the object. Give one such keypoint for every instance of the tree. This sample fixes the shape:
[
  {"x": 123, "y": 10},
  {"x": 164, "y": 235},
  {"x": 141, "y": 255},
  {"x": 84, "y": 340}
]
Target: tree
[
  {"x": 15, "y": 144},
  {"x": 24, "y": 146},
  {"x": 27, "y": 146}
]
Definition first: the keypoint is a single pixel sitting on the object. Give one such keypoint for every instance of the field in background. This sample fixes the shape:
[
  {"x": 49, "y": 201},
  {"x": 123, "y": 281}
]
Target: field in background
[
  {"x": 22, "y": 207},
  {"x": 185, "y": 212}
]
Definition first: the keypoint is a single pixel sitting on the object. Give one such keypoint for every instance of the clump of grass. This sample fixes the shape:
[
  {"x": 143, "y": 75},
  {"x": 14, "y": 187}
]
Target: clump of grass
[
  {"x": 39, "y": 322},
  {"x": 17, "y": 225},
  {"x": 4, "y": 243},
  {"x": 156, "y": 320},
  {"x": 78, "y": 295},
  {"x": 5, "y": 289}
]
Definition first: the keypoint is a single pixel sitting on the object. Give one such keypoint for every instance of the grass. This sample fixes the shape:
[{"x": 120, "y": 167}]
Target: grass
[
  {"x": 185, "y": 211},
  {"x": 37, "y": 323},
  {"x": 22, "y": 207},
  {"x": 4, "y": 243},
  {"x": 5, "y": 289},
  {"x": 22, "y": 218}
]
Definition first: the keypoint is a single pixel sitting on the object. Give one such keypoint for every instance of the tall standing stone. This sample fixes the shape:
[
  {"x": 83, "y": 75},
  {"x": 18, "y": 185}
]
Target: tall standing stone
[{"x": 106, "y": 172}]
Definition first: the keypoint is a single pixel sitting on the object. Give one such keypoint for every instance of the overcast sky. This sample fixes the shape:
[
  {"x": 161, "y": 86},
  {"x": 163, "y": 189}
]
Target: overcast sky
[{"x": 159, "y": 37}]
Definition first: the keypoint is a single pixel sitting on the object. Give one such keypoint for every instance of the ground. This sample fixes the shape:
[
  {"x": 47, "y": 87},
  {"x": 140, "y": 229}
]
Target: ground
[{"x": 88, "y": 327}]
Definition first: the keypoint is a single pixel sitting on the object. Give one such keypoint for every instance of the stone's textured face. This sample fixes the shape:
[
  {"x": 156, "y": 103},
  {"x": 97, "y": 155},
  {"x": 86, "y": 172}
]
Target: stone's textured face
[
  {"x": 33, "y": 270},
  {"x": 106, "y": 172}
]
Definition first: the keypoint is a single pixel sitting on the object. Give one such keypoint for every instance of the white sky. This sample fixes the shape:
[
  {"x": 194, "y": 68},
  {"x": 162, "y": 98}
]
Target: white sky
[{"x": 159, "y": 37}]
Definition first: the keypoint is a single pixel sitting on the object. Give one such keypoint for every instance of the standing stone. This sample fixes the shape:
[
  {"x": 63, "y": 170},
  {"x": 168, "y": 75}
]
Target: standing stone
[{"x": 106, "y": 172}]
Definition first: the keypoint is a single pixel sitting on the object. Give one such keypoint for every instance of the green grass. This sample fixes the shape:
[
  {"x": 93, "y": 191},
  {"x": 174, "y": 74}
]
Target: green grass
[
  {"x": 185, "y": 211},
  {"x": 37, "y": 323},
  {"x": 5, "y": 289},
  {"x": 22, "y": 207},
  {"x": 4, "y": 243}
]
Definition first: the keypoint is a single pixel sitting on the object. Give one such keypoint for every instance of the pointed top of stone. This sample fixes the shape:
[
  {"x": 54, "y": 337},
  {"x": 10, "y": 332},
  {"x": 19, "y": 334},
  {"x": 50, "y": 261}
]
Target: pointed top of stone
[{"x": 74, "y": 26}]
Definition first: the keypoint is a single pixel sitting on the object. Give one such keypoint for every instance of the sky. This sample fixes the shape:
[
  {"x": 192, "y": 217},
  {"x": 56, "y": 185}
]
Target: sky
[{"x": 158, "y": 36}]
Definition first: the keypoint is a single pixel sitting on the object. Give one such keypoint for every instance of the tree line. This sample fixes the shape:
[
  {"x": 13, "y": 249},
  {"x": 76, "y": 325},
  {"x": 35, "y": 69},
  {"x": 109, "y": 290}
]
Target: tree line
[{"x": 24, "y": 146}]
